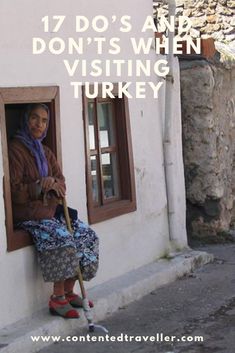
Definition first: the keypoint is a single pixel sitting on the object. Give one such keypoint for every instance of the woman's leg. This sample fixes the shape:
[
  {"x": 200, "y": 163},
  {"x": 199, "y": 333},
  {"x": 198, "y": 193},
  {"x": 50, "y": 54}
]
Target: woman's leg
[
  {"x": 59, "y": 305},
  {"x": 58, "y": 289},
  {"x": 69, "y": 285},
  {"x": 74, "y": 299}
]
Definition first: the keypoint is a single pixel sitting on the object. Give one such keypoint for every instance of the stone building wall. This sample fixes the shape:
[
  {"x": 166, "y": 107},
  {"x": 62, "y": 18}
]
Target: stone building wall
[{"x": 208, "y": 114}]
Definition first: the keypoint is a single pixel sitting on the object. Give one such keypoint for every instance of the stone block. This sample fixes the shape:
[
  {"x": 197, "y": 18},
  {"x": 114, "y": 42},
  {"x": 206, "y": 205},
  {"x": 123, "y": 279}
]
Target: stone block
[
  {"x": 211, "y": 18},
  {"x": 218, "y": 35},
  {"x": 229, "y": 30},
  {"x": 180, "y": 3},
  {"x": 212, "y": 5},
  {"x": 189, "y": 4},
  {"x": 199, "y": 22},
  {"x": 187, "y": 12},
  {"x": 197, "y": 13},
  {"x": 208, "y": 29},
  {"x": 211, "y": 28},
  {"x": 222, "y": 2},
  {"x": 230, "y": 37},
  {"x": 210, "y": 11},
  {"x": 231, "y": 4},
  {"x": 194, "y": 33},
  {"x": 232, "y": 23},
  {"x": 224, "y": 11},
  {"x": 179, "y": 11}
]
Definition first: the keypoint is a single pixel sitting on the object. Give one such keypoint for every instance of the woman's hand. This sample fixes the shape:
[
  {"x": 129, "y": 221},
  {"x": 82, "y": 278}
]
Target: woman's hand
[
  {"x": 47, "y": 183},
  {"x": 50, "y": 184},
  {"x": 59, "y": 190}
]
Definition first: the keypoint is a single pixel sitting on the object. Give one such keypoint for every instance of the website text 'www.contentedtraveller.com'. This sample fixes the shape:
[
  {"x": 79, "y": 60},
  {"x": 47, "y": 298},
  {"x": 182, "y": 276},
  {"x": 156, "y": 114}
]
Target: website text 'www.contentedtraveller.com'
[{"x": 159, "y": 337}]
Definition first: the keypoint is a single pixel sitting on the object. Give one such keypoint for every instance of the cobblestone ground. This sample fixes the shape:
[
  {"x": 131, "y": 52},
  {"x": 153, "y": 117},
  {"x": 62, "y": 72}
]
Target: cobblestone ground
[{"x": 201, "y": 304}]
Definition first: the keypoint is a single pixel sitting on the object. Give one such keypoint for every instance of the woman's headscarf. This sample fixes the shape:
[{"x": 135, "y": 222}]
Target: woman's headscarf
[{"x": 34, "y": 145}]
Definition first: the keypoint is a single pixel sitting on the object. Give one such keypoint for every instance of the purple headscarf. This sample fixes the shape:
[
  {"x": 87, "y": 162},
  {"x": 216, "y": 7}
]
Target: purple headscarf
[{"x": 34, "y": 145}]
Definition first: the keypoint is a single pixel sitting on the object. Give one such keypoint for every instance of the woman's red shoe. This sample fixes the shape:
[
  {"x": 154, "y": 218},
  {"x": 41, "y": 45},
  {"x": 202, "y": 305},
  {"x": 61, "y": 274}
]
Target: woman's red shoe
[{"x": 63, "y": 308}]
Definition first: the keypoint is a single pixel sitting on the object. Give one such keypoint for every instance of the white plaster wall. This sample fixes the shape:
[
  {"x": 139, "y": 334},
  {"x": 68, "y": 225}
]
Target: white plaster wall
[{"x": 126, "y": 242}]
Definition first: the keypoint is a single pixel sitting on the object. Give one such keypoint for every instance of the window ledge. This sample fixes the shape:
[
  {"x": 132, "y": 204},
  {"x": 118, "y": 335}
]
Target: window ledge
[{"x": 111, "y": 210}]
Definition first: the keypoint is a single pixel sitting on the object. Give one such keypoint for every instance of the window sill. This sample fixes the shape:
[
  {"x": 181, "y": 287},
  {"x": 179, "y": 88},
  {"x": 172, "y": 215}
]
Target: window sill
[{"x": 108, "y": 211}]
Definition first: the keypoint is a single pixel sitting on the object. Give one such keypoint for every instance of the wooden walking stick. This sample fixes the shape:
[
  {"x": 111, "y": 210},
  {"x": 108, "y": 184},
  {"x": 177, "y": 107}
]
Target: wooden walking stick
[{"x": 85, "y": 302}]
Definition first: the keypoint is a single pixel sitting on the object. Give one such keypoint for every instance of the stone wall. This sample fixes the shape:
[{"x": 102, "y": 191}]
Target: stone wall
[
  {"x": 210, "y": 18},
  {"x": 208, "y": 114}
]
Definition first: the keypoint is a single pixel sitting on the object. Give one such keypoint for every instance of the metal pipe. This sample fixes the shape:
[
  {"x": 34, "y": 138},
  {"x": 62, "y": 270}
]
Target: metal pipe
[{"x": 167, "y": 140}]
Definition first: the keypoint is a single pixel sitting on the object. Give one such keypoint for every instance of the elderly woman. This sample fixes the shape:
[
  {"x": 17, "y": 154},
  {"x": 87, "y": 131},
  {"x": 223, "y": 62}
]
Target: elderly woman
[{"x": 37, "y": 186}]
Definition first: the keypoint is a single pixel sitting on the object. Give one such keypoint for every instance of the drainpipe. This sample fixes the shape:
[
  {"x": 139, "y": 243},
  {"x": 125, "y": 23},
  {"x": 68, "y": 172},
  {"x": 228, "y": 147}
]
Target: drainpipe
[{"x": 167, "y": 141}]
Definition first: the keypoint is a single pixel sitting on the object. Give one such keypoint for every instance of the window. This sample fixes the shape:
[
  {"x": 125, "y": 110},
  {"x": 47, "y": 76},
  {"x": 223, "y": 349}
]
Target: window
[
  {"x": 109, "y": 161},
  {"x": 12, "y": 103}
]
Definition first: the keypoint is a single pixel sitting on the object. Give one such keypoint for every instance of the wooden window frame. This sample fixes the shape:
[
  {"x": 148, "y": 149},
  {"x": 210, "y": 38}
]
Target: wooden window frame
[
  {"x": 17, "y": 239},
  {"x": 126, "y": 203}
]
